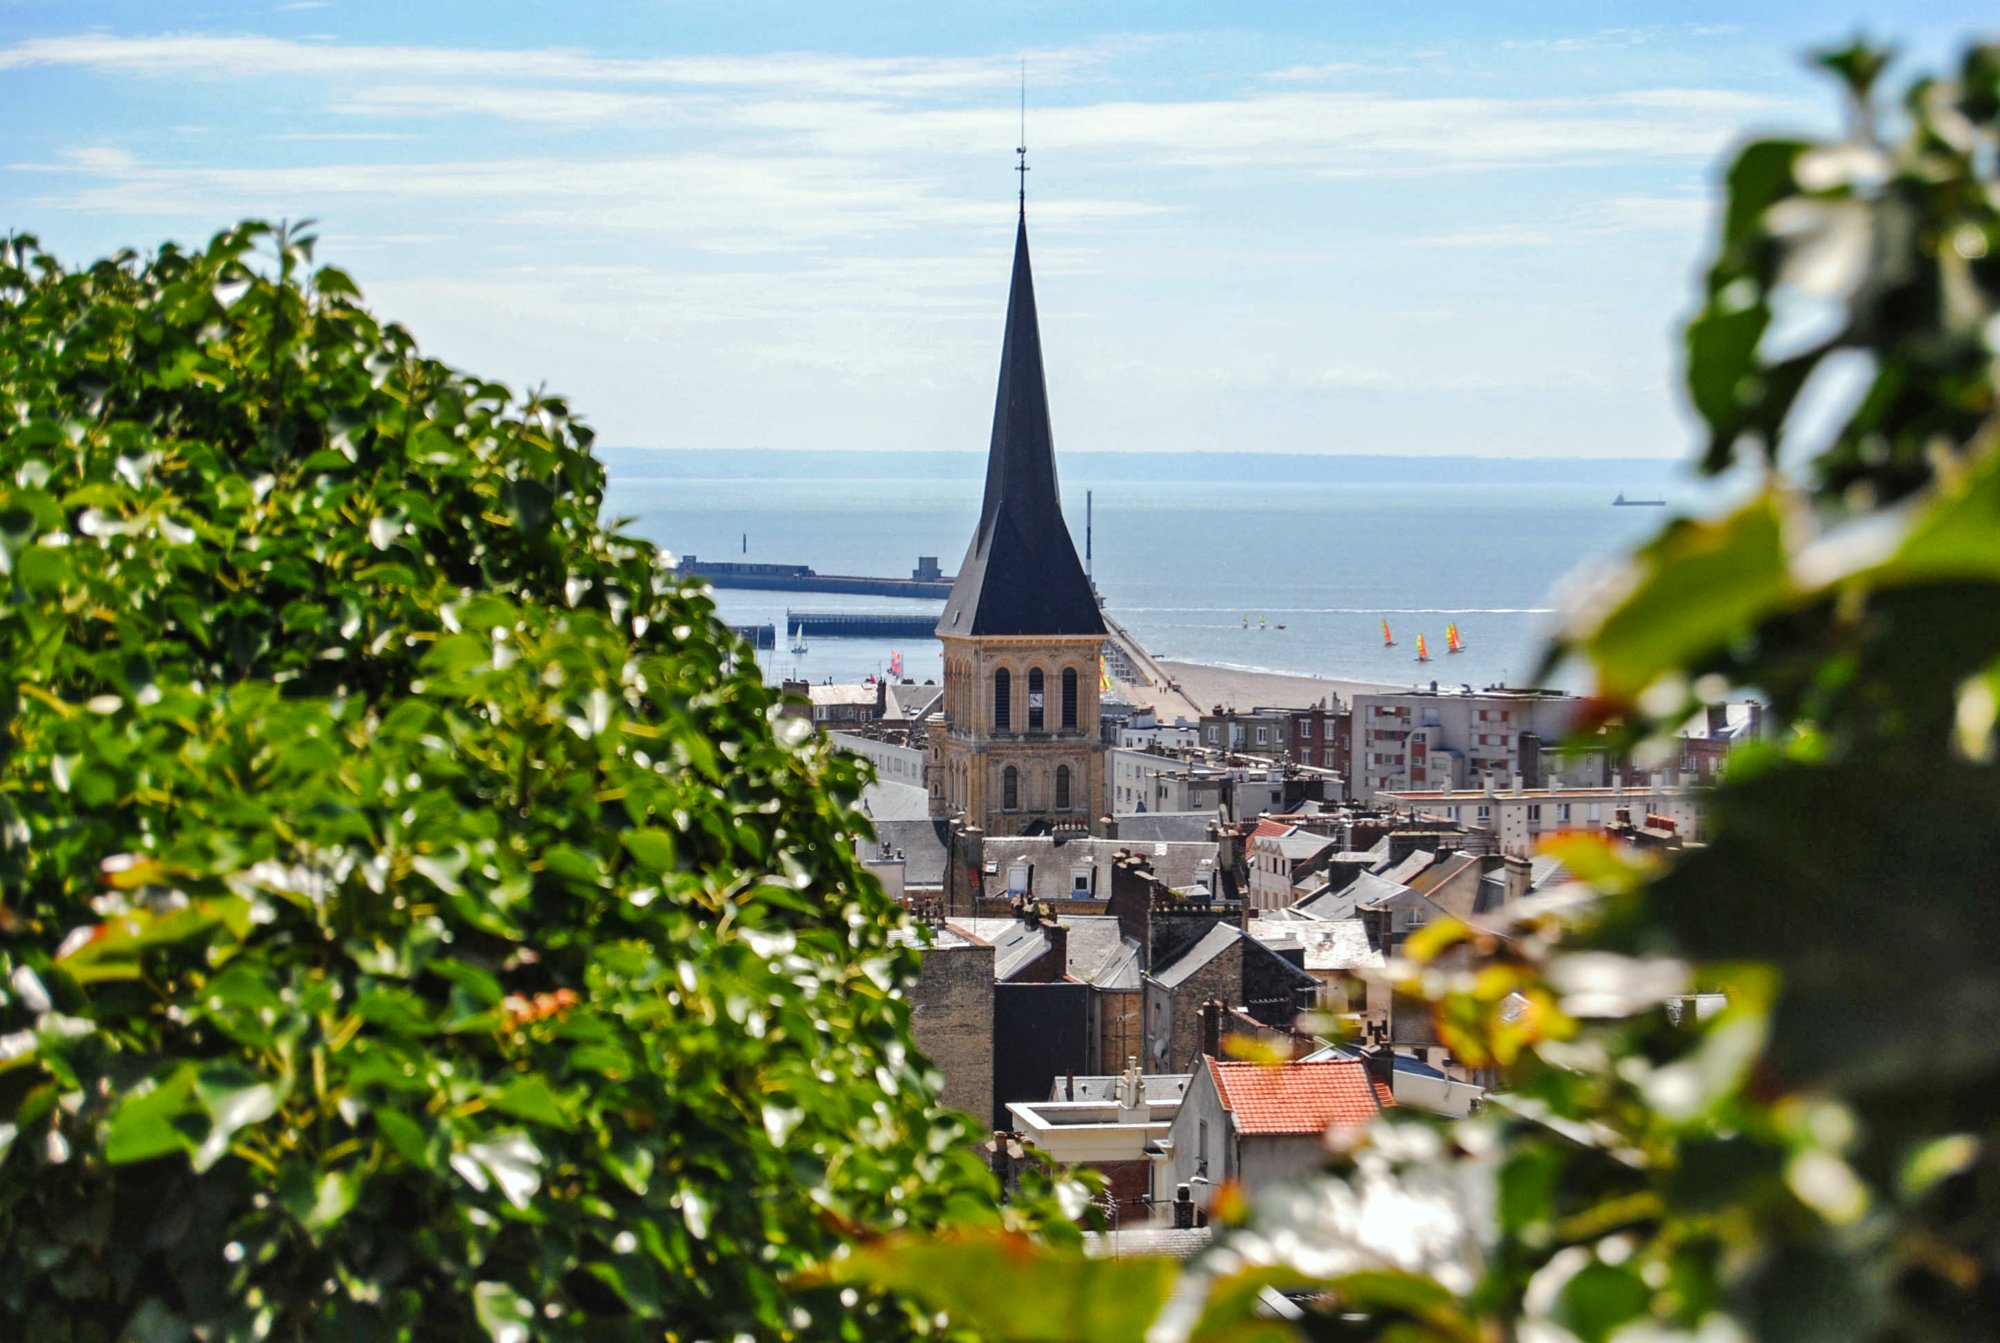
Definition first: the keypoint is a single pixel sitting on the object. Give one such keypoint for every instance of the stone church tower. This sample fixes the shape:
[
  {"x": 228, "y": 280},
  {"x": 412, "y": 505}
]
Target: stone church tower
[{"x": 1020, "y": 752}]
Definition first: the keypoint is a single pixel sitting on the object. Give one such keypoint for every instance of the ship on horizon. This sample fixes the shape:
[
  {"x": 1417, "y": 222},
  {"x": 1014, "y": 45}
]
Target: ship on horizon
[{"x": 1622, "y": 502}]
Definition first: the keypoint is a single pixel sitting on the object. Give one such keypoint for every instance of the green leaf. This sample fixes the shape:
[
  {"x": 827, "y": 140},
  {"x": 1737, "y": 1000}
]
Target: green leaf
[
  {"x": 1004, "y": 1287},
  {"x": 156, "y": 1122},
  {"x": 502, "y": 1312},
  {"x": 1722, "y": 354},
  {"x": 528, "y": 1097},
  {"x": 653, "y": 848},
  {"x": 1697, "y": 587},
  {"x": 234, "y": 1098}
]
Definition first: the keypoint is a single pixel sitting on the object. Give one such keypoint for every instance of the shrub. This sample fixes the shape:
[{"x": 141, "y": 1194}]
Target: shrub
[{"x": 418, "y": 922}]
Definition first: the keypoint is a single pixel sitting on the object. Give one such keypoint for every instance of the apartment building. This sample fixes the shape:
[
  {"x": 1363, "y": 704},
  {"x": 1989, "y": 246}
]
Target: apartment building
[{"x": 1420, "y": 740}]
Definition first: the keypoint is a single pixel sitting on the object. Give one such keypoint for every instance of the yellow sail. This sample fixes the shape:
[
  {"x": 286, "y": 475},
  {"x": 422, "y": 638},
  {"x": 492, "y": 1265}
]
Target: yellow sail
[{"x": 1423, "y": 654}]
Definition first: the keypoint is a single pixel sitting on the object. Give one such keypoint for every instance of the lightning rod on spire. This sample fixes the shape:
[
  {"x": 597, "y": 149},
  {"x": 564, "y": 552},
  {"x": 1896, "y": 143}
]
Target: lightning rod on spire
[{"x": 1022, "y": 148}]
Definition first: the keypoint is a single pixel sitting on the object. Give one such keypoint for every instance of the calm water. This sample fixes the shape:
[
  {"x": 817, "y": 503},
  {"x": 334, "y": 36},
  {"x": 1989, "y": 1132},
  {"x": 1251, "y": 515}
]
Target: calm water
[{"x": 1182, "y": 561}]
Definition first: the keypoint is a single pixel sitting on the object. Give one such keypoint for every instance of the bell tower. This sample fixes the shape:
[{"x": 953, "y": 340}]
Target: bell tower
[{"x": 1019, "y": 752}]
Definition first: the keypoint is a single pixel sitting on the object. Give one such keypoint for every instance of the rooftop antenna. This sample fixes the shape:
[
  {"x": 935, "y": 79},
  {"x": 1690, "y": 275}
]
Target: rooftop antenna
[{"x": 1022, "y": 148}]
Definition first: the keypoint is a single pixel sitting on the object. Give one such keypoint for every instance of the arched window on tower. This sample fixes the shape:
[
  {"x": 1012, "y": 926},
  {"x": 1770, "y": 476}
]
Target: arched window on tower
[
  {"x": 1003, "y": 701},
  {"x": 1034, "y": 699},
  {"x": 1069, "y": 698},
  {"x": 1062, "y": 787},
  {"x": 1010, "y": 786}
]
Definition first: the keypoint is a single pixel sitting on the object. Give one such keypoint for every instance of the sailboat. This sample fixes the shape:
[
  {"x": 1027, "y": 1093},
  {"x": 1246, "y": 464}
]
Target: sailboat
[
  {"x": 798, "y": 638},
  {"x": 1388, "y": 639},
  {"x": 1452, "y": 643},
  {"x": 1262, "y": 623},
  {"x": 1423, "y": 653}
]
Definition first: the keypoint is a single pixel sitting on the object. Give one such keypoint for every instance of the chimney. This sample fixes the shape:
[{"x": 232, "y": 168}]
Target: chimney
[
  {"x": 1132, "y": 1092},
  {"x": 1109, "y": 825},
  {"x": 1519, "y": 874},
  {"x": 1058, "y": 937},
  {"x": 1069, "y": 1085},
  {"x": 1718, "y": 719},
  {"x": 1183, "y": 1208},
  {"x": 1211, "y": 1028}
]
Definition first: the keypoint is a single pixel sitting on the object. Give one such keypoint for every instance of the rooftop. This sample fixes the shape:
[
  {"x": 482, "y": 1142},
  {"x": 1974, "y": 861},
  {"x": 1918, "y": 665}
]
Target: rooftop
[{"x": 1299, "y": 1097}]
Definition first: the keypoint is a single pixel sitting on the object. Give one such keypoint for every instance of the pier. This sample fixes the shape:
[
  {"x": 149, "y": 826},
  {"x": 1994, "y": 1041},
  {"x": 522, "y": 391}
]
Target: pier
[
  {"x": 861, "y": 624},
  {"x": 926, "y": 580}
]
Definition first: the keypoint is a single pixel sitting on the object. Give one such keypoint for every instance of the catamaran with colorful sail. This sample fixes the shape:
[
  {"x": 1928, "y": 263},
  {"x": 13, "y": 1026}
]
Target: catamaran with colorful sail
[
  {"x": 1388, "y": 639},
  {"x": 1453, "y": 644},
  {"x": 1423, "y": 653}
]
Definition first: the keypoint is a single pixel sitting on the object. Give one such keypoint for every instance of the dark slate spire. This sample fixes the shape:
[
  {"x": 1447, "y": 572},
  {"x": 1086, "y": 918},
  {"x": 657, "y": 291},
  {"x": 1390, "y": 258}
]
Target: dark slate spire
[{"x": 1021, "y": 574}]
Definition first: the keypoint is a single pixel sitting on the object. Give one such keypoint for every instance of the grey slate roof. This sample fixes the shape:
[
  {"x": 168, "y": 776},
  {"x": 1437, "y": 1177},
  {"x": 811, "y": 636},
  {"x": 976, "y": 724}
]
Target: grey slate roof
[
  {"x": 925, "y": 844},
  {"x": 1332, "y": 944},
  {"x": 1016, "y": 948},
  {"x": 1417, "y": 862},
  {"x": 1187, "y": 827},
  {"x": 1099, "y": 953},
  {"x": 1020, "y": 574},
  {"x": 1211, "y": 945},
  {"x": 1366, "y": 889}
]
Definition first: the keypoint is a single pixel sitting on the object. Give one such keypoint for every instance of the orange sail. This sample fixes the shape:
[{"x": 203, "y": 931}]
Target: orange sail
[
  {"x": 1423, "y": 654},
  {"x": 1453, "y": 644},
  {"x": 1388, "y": 639}
]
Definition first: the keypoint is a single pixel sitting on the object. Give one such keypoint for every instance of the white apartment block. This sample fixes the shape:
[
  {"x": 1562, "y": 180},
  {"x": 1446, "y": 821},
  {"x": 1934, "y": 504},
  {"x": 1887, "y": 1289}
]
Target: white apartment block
[
  {"x": 893, "y": 763},
  {"x": 1520, "y": 817},
  {"x": 1421, "y": 740}
]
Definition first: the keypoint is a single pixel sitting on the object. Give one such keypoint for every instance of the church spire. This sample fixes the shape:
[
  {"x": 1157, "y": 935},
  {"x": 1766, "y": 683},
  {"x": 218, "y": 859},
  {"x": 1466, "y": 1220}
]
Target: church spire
[{"x": 1021, "y": 574}]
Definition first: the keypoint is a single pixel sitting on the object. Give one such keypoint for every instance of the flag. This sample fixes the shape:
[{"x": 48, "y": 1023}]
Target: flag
[{"x": 1103, "y": 676}]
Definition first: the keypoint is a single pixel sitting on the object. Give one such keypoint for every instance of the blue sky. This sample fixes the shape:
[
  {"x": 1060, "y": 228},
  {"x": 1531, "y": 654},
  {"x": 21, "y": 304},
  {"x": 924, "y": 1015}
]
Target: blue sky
[{"x": 1375, "y": 228}]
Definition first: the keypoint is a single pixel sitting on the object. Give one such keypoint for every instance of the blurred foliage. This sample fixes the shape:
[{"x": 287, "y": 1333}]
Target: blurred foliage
[
  {"x": 1816, "y": 1159},
  {"x": 418, "y": 922}
]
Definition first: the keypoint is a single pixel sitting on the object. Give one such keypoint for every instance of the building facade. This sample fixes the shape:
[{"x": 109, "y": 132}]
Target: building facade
[{"x": 1418, "y": 740}]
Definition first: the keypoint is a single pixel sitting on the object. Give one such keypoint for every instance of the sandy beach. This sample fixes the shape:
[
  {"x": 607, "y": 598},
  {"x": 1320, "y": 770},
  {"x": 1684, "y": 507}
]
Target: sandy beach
[{"x": 1202, "y": 687}]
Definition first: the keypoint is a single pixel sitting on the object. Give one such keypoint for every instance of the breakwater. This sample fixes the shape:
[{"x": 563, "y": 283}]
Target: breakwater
[{"x": 924, "y": 581}]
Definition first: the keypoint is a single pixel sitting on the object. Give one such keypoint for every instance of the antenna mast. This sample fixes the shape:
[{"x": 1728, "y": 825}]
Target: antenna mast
[{"x": 1022, "y": 148}]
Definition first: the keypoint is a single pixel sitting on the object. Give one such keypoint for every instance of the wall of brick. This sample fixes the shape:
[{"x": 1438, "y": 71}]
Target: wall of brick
[{"x": 952, "y": 1020}]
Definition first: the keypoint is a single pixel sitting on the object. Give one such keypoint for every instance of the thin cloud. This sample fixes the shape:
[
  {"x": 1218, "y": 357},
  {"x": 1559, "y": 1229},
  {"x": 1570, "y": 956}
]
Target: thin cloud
[{"x": 244, "y": 57}]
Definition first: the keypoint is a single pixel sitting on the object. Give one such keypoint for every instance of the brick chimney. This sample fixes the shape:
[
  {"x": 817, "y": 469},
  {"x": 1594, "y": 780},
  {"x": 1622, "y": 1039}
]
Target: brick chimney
[{"x": 1211, "y": 1028}]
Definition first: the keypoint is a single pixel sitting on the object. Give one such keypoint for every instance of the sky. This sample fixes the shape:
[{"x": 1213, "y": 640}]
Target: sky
[{"x": 1414, "y": 228}]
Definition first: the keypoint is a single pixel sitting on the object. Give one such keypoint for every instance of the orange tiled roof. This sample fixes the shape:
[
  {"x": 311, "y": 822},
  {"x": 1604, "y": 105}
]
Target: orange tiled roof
[
  {"x": 1299, "y": 1097},
  {"x": 1270, "y": 827}
]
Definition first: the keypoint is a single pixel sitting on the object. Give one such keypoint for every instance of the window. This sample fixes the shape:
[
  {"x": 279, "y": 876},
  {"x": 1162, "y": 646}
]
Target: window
[
  {"x": 1069, "y": 697},
  {"x": 1306, "y": 730},
  {"x": 1263, "y": 735},
  {"x": 1003, "y": 701},
  {"x": 1562, "y": 812},
  {"x": 1035, "y": 699},
  {"x": 1596, "y": 812},
  {"x": 1010, "y": 786},
  {"x": 1201, "y": 1149},
  {"x": 1484, "y": 815},
  {"x": 1534, "y": 813},
  {"x": 1214, "y": 735},
  {"x": 1062, "y": 787}
]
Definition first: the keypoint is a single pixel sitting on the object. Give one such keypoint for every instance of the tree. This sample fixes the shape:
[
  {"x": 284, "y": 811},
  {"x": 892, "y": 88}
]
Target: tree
[
  {"x": 1818, "y": 1160},
  {"x": 418, "y": 921}
]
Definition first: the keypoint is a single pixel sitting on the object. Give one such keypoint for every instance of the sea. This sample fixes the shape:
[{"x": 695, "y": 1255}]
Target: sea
[{"x": 1254, "y": 561}]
